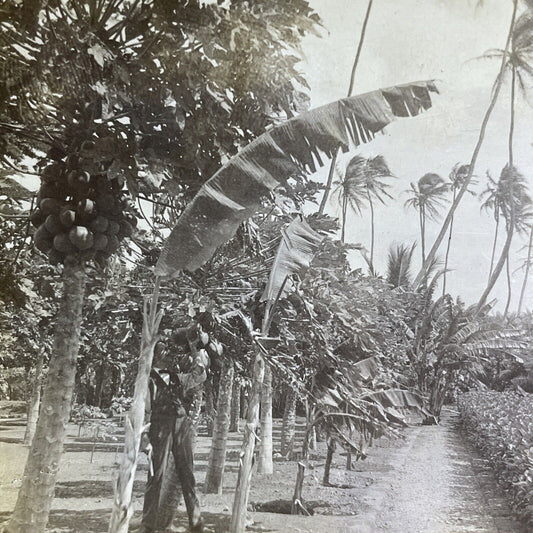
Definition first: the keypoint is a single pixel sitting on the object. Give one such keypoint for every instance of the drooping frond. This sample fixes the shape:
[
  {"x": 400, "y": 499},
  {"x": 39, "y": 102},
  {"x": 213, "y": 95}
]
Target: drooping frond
[{"x": 289, "y": 149}]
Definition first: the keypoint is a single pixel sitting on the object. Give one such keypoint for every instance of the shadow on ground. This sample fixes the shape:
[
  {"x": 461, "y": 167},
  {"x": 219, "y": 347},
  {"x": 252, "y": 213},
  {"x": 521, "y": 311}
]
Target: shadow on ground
[{"x": 97, "y": 521}]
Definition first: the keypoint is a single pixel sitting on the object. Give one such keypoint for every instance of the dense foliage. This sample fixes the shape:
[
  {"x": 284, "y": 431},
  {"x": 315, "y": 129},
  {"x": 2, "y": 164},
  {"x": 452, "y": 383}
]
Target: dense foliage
[{"x": 501, "y": 426}]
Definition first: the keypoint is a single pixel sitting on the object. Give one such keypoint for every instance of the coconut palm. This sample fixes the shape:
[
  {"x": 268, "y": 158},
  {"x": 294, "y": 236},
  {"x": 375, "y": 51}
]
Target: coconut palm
[
  {"x": 457, "y": 177},
  {"x": 427, "y": 196},
  {"x": 481, "y": 137},
  {"x": 515, "y": 206},
  {"x": 333, "y": 163},
  {"x": 363, "y": 183},
  {"x": 492, "y": 201}
]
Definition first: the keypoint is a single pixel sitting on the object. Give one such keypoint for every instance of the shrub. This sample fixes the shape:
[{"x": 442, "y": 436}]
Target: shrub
[{"x": 500, "y": 424}]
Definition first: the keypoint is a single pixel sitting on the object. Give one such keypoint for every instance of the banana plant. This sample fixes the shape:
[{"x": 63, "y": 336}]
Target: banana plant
[{"x": 234, "y": 193}]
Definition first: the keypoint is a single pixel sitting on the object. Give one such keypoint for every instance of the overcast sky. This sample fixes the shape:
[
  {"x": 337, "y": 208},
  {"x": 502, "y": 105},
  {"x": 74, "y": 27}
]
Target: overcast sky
[{"x": 410, "y": 40}]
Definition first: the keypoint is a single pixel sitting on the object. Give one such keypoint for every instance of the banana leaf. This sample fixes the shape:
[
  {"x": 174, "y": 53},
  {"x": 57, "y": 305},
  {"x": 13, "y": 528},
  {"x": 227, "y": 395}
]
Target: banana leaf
[
  {"x": 296, "y": 250},
  {"x": 289, "y": 149},
  {"x": 367, "y": 368}
]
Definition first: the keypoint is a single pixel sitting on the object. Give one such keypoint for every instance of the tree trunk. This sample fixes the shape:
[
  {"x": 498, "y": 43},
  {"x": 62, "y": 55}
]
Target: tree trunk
[
  {"x": 511, "y": 222},
  {"x": 329, "y": 459},
  {"x": 526, "y": 274},
  {"x": 34, "y": 400},
  {"x": 372, "y": 229},
  {"x": 134, "y": 424},
  {"x": 242, "y": 491},
  {"x": 39, "y": 478},
  {"x": 509, "y": 287},
  {"x": 217, "y": 456},
  {"x": 297, "y": 506},
  {"x": 344, "y": 213},
  {"x": 495, "y": 93},
  {"x": 329, "y": 183},
  {"x": 448, "y": 246},
  {"x": 494, "y": 243},
  {"x": 235, "y": 406},
  {"x": 209, "y": 407},
  {"x": 266, "y": 466},
  {"x": 288, "y": 429}
]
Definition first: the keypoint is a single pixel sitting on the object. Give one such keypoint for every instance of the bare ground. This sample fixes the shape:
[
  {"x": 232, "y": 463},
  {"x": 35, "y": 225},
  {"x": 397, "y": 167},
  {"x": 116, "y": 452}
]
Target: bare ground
[{"x": 429, "y": 482}]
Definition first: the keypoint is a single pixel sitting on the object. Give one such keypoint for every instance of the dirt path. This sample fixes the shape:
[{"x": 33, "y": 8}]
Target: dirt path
[
  {"x": 431, "y": 482},
  {"x": 442, "y": 486}
]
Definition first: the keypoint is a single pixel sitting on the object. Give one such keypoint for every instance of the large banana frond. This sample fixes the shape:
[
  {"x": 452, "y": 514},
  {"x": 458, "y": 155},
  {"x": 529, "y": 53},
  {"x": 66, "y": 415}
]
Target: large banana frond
[
  {"x": 296, "y": 146},
  {"x": 296, "y": 250}
]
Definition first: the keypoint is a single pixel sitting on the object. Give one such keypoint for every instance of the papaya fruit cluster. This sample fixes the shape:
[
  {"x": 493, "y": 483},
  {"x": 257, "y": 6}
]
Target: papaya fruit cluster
[{"x": 79, "y": 214}]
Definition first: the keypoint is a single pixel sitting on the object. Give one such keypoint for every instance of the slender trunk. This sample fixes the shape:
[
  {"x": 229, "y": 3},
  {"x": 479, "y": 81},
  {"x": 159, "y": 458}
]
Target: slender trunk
[
  {"x": 242, "y": 490},
  {"x": 422, "y": 236},
  {"x": 288, "y": 429},
  {"x": 34, "y": 400},
  {"x": 329, "y": 460},
  {"x": 344, "y": 212},
  {"x": 217, "y": 456},
  {"x": 235, "y": 406},
  {"x": 495, "y": 242},
  {"x": 329, "y": 183},
  {"x": 39, "y": 478},
  {"x": 371, "y": 204},
  {"x": 495, "y": 93},
  {"x": 266, "y": 466},
  {"x": 510, "y": 223},
  {"x": 449, "y": 245},
  {"x": 526, "y": 274},
  {"x": 509, "y": 288},
  {"x": 134, "y": 423}
]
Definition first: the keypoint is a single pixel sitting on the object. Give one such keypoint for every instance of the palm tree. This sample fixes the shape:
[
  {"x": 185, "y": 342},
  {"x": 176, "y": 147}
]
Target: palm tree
[
  {"x": 333, "y": 163},
  {"x": 428, "y": 195},
  {"x": 527, "y": 266},
  {"x": 493, "y": 199},
  {"x": 457, "y": 177},
  {"x": 515, "y": 206},
  {"x": 515, "y": 203},
  {"x": 481, "y": 137},
  {"x": 363, "y": 183},
  {"x": 399, "y": 265}
]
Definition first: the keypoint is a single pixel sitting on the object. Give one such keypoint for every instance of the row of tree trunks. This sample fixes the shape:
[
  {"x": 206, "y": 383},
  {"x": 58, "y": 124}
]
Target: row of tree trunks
[
  {"x": 217, "y": 456},
  {"x": 38, "y": 482}
]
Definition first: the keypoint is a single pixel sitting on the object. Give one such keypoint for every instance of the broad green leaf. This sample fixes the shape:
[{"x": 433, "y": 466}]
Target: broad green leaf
[{"x": 234, "y": 192}]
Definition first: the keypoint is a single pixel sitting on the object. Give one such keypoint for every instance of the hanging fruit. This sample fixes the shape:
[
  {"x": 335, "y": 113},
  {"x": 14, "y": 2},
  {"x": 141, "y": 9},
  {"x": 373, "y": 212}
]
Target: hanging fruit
[{"x": 81, "y": 237}]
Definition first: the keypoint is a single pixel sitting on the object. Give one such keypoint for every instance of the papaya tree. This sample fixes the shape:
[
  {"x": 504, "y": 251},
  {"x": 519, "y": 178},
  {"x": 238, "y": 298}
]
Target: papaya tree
[{"x": 77, "y": 102}]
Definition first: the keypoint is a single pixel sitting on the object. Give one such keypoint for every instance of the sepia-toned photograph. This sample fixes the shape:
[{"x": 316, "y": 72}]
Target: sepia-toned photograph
[{"x": 265, "y": 266}]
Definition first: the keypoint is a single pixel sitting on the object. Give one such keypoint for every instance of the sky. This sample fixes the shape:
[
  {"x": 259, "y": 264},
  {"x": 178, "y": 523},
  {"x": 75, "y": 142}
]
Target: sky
[{"x": 412, "y": 40}]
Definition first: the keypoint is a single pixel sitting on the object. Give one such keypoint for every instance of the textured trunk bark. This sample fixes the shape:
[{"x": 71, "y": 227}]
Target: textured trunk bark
[
  {"x": 217, "y": 456},
  {"x": 235, "y": 406},
  {"x": 39, "y": 479},
  {"x": 266, "y": 466},
  {"x": 329, "y": 460},
  {"x": 288, "y": 429},
  {"x": 240, "y": 503},
  {"x": 134, "y": 425},
  {"x": 209, "y": 407},
  {"x": 34, "y": 401}
]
